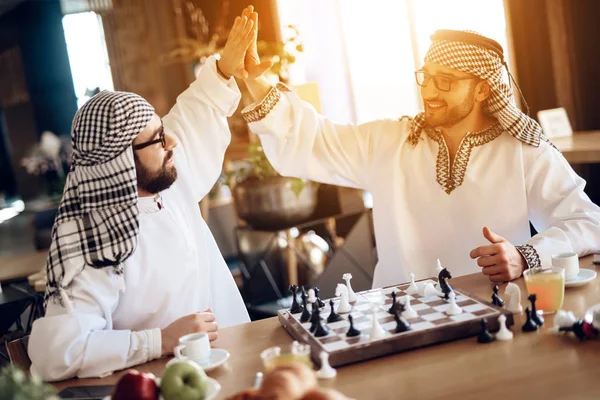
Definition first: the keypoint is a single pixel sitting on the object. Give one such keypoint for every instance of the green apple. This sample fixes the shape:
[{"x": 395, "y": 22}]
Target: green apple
[{"x": 184, "y": 380}]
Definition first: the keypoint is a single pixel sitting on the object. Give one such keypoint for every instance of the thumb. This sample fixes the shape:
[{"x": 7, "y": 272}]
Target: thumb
[
  {"x": 260, "y": 69},
  {"x": 491, "y": 236}
]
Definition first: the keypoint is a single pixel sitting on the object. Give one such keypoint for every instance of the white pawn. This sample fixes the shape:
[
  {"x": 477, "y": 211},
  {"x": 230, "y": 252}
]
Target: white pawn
[
  {"x": 377, "y": 331},
  {"x": 342, "y": 292},
  {"x": 326, "y": 371},
  {"x": 504, "y": 333},
  {"x": 409, "y": 312},
  {"x": 311, "y": 296},
  {"x": 438, "y": 269},
  {"x": 413, "y": 288},
  {"x": 351, "y": 295},
  {"x": 454, "y": 309}
]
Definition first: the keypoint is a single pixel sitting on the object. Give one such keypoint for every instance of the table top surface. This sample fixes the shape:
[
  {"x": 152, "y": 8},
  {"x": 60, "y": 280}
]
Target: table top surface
[
  {"x": 20, "y": 266},
  {"x": 581, "y": 148},
  {"x": 532, "y": 365}
]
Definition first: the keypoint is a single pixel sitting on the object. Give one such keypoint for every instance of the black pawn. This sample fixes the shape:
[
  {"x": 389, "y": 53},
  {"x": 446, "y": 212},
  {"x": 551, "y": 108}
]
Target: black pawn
[
  {"x": 392, "y": 309},
  {"x": 319, "y": 301},
  {"x": 485, "y": 336},
  {"x": 496, "y": 300},
  {"x": 320, "y": 329},
  {"x": 333, "y": 316},
  {"x": 529, "y": 325},
  {"x": 352, "y": 331},
  {"x": 305, "y": 313},
  {"x": 315, "y": 317},
  {"x": 296, "y": 307},
  {"x": 538, "y": 319},
  {"x": 401, "y": 323}
]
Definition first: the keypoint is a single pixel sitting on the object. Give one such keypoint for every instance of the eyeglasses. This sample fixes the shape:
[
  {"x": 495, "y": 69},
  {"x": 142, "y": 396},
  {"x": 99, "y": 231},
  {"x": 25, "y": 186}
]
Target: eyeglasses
[
  {"x": 443, "y": 83},
  {"x": 161, "y": 139}
]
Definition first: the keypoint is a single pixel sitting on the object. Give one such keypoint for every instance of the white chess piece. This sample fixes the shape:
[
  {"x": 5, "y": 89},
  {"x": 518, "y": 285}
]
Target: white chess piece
[
  {"x": 409, "y": 312},
  {"x": 413, "y": 288},
  {"x": 311, "y": 296},
  {"x": 564, "y": 319},
  {"x": 430, "y": 291},
  {"x": 454, "y": 309},
  {"x": 514, "y": 304},
  {"x": 351, "y": 295},
  {"x": 377, "y": 331},
  {"x": 326, "y": 371},
  {"x": 438, "y": 269},
  {"x": 344, "y": 306},
  {"x": 504, "y": 333}
]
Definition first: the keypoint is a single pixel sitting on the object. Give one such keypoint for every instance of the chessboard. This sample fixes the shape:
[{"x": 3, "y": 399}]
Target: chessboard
[{"x": 431, "y": 326}]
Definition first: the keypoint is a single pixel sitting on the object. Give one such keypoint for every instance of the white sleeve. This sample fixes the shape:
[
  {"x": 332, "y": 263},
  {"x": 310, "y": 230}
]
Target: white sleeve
[
  {"x": 301, "y": 143},
  {"x": 559, "y": 209},
  {"x": 199, "y": 121},
  {"x": 78, "y": 339}
]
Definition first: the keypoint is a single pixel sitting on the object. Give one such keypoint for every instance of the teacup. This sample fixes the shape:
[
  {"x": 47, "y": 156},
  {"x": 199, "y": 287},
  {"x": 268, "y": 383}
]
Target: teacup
[
  {"x": 194, "y": 347},
  {"x": 569, "y": 262}
]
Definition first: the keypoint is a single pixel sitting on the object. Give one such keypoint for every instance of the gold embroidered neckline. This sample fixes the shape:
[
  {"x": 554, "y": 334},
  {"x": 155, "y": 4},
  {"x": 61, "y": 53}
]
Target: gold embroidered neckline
[{"x": 452, "y": 177}]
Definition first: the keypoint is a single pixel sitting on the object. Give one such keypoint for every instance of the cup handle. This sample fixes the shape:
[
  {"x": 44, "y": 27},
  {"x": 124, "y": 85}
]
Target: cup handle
[{"x": 178, "y": 354}]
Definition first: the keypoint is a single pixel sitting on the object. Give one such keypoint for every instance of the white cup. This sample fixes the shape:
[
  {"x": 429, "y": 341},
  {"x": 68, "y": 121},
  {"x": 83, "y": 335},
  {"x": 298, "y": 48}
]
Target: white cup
[
  {"x": 569, "y": 262},
  {"x": 194, "y": 347}
]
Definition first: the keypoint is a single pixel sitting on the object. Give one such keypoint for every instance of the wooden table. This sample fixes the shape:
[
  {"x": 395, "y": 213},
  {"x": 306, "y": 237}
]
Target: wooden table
[
  {"x": 20, "y": 266},
  {"x": 538, "y": 365},
  {"x": 581, "y": 148}
]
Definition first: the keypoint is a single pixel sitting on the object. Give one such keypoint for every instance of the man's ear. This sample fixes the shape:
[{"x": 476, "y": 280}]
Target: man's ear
[{"x": 482, "y": 91}]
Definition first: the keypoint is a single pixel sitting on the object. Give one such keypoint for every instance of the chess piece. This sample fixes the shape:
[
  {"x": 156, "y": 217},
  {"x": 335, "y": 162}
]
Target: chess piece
[
  {"x": 408, "y": 312},
  {"x": 351, "y": 295},
  {"x": 392, "y": 309},
  {"x": 529, "y": 325},
  {"x": 583, "y": 329},
  {"x": 333, "y": 316},
  {"x": 344, "y": 306},
  {"x": 305, "y": 317},
  {"x": 514, "y": 303},
  {"x": 315, "y": 317},
  {"x": 429, "y": 291},
  {"x": 326, "y": 371},
  {"x": 496, "y": 300},
  {"x": 444, "y": 285},
  {"x": 438, "y": 269},
  {"x": 503, "y": 333},
  {"x": 413, "y": 288},
  {"x": 401, "y": 323},
  {"x": 320, "y": 302},
  {"x": 538, "y": 319},
  {"x": 352, "y": 331},
  {"x": 320, "y": 329},
  {"x": 484, "y": 336},
  {"x": 377, "y": 331},
  {"x": 454, "y": 309},
  {"x": 311, "y": 296},
  {"x": 296, "y": 307}
]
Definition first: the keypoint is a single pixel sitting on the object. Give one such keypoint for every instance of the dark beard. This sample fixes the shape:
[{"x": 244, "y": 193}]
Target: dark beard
[
  {"x": 455, "y": 114},
  {"x": 157, "y": 182}
]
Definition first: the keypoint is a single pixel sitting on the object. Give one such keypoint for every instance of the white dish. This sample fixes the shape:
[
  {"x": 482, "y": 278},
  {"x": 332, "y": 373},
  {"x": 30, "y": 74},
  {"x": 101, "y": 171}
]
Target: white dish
[
  {"x": 584, "y": 276},
  {"x": 216, "y": 359}
]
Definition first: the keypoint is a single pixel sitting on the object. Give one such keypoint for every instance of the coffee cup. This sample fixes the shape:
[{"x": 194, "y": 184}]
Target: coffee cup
[
  {"x": 569, "y": 262},
  {"x": 194, "y": 347}
]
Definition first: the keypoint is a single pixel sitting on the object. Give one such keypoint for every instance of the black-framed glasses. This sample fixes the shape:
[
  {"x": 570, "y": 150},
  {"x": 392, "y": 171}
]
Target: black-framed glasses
[
  {"x": 443, "y": 83},
  {"x": 161, "y": 139}
]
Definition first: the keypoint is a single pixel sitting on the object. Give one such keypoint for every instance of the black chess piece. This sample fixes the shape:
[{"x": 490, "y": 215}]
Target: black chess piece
[
  {"x": 333, "y": 316},
  {"x": 529, "y": 325},
  {"x": 443, "y": 277},
  {"x": 305, "y": 313},
  {"x": 352, "y": 331},
  {"x": 296, "y": 307},
  {"x": 315, "y": 317},
  {"x": 392, "y": 309},
  {"x": 402, "y": 324},
  {"x": 538, "y": 319},
  {"x": 319, "y": 301},
  {"x": 320, "y": 328},
  {"x": 485, "y": 336},
  {"x": 496, "y": 300}
]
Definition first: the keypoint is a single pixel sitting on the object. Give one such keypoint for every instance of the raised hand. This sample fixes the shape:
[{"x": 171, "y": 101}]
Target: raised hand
[
  {"x": 500, "y": 260},
  {"x": 252, "y": 61},
  {"x": 233, "y": 54}
]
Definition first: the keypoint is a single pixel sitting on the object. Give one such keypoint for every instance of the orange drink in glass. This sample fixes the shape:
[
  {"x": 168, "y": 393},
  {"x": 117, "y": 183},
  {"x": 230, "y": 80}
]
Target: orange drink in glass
[
  {"x": 549, "y": 287},
  {"x": 273, "y": 357}
]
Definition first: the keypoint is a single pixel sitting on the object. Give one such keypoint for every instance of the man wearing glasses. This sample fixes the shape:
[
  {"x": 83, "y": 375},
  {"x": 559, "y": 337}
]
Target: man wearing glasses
[
  {"x": 133, "y": 266},
  {"x": 458, "y": 182}
]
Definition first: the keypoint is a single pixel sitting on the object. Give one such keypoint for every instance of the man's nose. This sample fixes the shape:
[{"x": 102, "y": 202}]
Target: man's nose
[
  {"x": 171, "y": 141},
  {"x": 430, "y": 91}
]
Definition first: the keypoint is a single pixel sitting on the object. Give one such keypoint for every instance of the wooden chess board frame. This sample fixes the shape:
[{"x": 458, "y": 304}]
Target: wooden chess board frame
[{"x": 394, "y": 342}]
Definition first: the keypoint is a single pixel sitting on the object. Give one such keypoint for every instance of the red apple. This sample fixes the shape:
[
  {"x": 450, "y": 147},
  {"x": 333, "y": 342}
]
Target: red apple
[{"x": 135, "y": 385}]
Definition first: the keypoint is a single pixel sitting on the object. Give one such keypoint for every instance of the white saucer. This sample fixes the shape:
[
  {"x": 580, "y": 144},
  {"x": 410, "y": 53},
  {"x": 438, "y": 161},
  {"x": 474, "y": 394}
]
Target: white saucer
[
  {"x": 216, "y": 359},
  {"x": 584, "y": 276}
]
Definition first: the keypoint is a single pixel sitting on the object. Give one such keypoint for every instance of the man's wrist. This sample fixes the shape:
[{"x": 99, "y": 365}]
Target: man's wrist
[{"x": 220, "y": 72}]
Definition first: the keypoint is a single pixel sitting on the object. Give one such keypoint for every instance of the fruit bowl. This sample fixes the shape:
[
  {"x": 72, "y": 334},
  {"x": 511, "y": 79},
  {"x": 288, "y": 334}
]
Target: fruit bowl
[{"x": 213, "y": 389}]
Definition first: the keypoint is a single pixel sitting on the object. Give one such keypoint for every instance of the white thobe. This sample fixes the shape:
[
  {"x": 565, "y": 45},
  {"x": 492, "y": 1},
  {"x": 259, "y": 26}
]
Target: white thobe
[
  {"x": 506, "y": 185},
  {"x": 114, "y": 321}
]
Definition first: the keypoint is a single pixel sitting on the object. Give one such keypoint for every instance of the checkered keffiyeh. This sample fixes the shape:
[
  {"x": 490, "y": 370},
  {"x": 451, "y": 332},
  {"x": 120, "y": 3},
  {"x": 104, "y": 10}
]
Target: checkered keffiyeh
[
  {"x": 96, "y": 224},
  {"x": 485, "y": 64}
]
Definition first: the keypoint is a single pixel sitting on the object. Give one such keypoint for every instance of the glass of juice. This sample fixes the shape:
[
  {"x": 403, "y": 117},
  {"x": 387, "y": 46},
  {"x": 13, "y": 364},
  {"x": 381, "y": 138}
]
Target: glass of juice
[
  {"x": 274, "y": 357},
  {"x": 549, "y": 287}
]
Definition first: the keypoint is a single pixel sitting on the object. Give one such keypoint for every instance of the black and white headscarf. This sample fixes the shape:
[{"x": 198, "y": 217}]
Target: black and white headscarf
[
  {"x": 485, "y": 64},
  {"x": 97, "y": 225}
]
